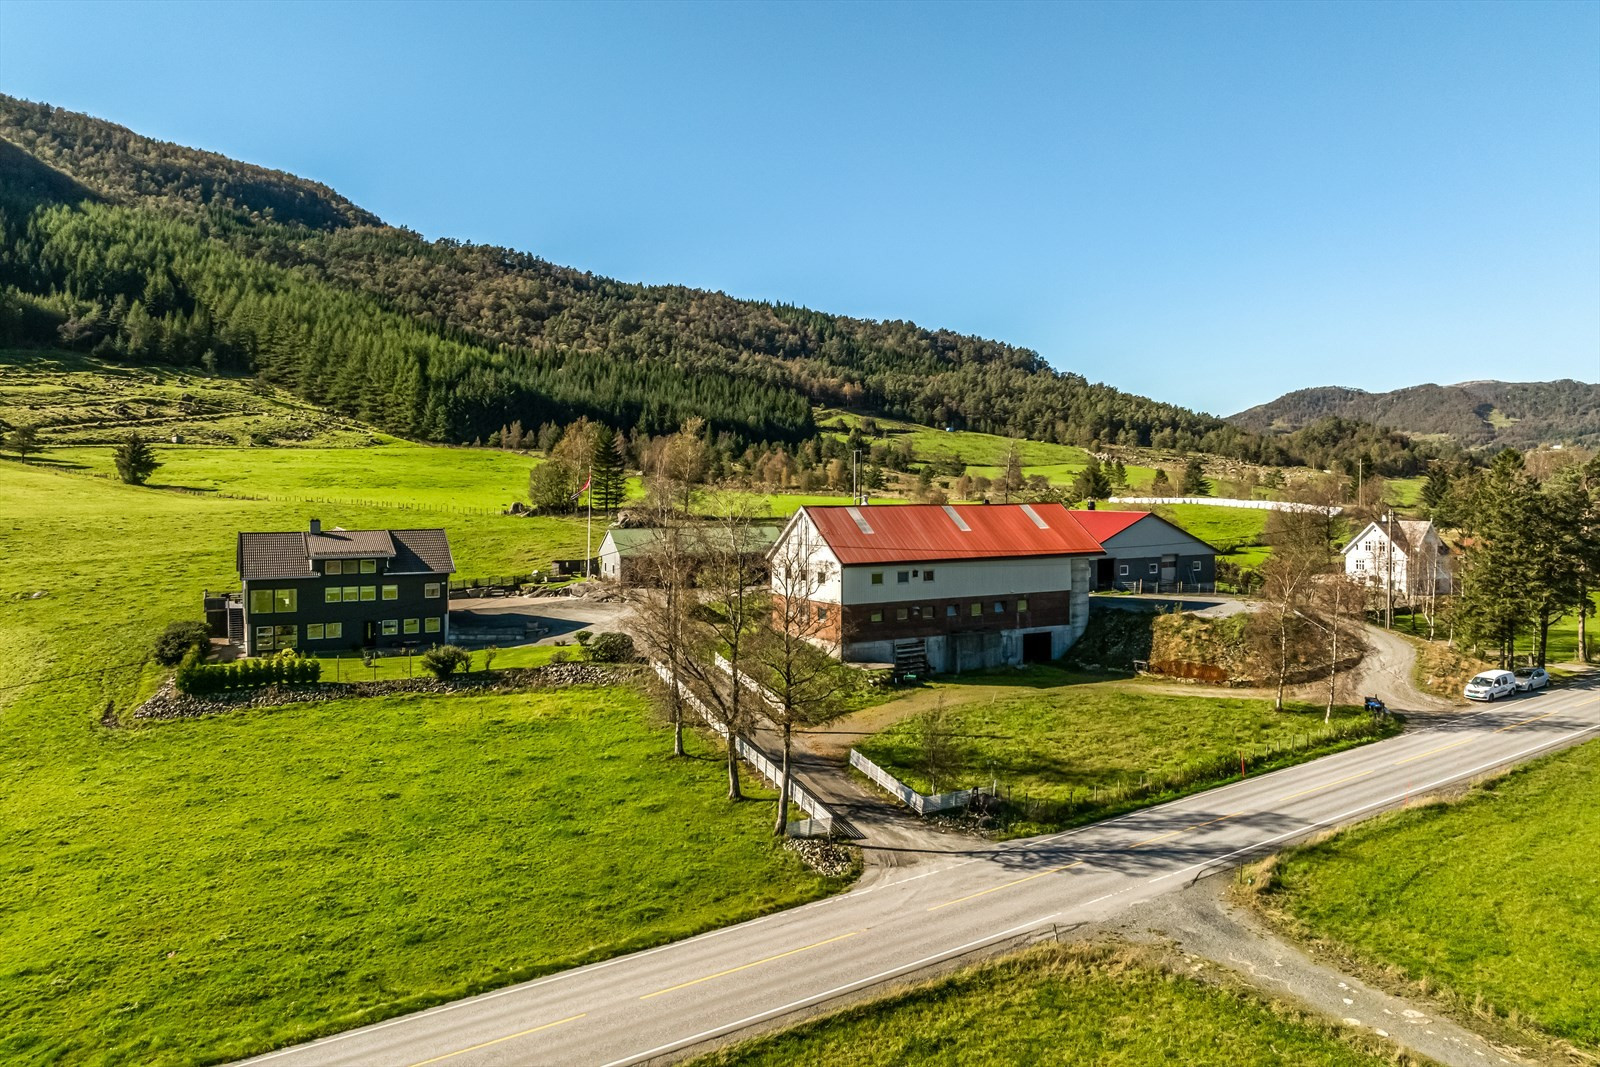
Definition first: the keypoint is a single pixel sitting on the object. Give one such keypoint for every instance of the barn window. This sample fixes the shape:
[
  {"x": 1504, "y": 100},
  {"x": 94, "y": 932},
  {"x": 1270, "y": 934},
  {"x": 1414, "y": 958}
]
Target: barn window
[
  {"x": 900, "y": 613},
  {"x": 1123, "y": 570},
  {"x": 877, "y": 616},
  {"x": 903, "y": 577},
  {"x": 877, "y": 577},
  {"x": 1022, "y": 603},
  {"x": 927, "y": 575}
]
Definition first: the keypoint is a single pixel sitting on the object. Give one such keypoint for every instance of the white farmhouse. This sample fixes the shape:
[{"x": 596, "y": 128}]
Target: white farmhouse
[{"x": 1407, "y": 552}]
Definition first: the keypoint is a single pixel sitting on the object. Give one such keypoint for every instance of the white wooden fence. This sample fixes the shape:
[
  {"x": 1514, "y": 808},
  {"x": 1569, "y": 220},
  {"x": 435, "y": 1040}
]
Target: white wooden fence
[
  {"x": 1231, "y": 502},
  {"x": 920, "y": 803},
  {"x": 820, "y": 823}
]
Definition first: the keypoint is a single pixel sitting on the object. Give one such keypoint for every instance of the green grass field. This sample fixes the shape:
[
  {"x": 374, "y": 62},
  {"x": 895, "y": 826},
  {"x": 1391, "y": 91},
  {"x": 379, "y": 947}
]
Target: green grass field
[
  {"x": 1081, "y": 747},
  {"x": 1491, "y": 899},
  {"x": 1063, "y": 1005},
  {"x": 192, "y": 891}
]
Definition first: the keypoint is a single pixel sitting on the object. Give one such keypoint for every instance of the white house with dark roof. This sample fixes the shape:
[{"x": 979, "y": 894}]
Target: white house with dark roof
[
  {"x": 328, "y": 591},
  {"x": 1407, "y": 552},
  {"x": 942, "y": 587}
]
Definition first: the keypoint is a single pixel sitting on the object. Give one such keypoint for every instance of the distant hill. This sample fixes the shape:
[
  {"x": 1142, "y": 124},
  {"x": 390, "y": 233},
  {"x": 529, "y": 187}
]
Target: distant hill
[
  {"x": 1518, "y": 414},
  {"x": 140, "y": 251}
]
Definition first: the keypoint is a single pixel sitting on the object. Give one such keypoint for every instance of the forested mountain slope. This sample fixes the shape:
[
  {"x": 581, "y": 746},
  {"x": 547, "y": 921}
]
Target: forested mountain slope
[
  {"x": 136, "y": 249},
  {"x": 1521, "y": 414}
]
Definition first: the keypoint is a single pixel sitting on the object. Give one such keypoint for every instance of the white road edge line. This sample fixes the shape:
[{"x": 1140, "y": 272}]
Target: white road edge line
[{"x": 815, "y": 997}]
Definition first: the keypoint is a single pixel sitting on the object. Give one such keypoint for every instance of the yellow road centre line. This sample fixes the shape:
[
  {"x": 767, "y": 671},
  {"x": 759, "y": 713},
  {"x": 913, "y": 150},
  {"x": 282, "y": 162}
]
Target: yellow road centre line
[
  {"x": 1008, "y": 885},
  {"x": 1319, "y": 788},
  {"x": 1186, "y": 829},
  {"x": 1431, "y": 751},
  {"x": 1524, "y": 722},
  {"x": 496, "y": 1041},
  {"x": 747, "y": 966}
]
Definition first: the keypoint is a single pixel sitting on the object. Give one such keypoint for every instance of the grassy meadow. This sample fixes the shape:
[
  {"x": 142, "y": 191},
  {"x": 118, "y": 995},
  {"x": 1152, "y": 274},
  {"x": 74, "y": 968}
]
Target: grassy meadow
[
  {"x": 1489, "y": 901},
  {"x": 1088, "y": 1005},
  {"x": 1071, "y": 748},
  {"x": 193, "y": 891}
]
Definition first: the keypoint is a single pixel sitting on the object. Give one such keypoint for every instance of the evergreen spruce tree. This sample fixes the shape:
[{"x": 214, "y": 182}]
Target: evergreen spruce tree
[
  {"x": 1194, "y": 479},
  {"x": 135, "y": 460},
  {"x": 607, "y": 471}
]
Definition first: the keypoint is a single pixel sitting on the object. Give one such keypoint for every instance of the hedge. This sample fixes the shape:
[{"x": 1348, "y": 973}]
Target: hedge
[{"x": 198, "y": 679}]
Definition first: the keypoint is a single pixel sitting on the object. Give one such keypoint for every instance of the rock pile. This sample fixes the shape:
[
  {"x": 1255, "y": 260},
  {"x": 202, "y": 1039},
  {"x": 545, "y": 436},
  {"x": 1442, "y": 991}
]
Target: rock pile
[{"x": 824, "y": 855}]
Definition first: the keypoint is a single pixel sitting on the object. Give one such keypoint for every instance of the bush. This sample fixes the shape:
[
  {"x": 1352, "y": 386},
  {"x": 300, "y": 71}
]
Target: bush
[
  {"x": 442, "y": 661},
  {"x": 200, "y": 679},
  {"x": 583, "y": 637},
  {"x": 611, "y": 648},
  {"x": 178, "y": 639}
]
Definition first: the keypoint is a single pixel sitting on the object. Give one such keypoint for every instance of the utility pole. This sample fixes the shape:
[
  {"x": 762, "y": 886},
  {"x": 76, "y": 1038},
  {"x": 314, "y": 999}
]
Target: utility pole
[{"x": 1388, "y": 584}]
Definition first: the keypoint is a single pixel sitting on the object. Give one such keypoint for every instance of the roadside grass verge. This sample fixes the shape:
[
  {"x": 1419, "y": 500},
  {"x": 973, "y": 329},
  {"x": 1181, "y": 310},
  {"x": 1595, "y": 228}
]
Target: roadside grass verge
[
  {"x": 1111, "y": 1006},
  {"x": 1487, "y": 902},
  {"x": 199, "y": 890},
  {"x": 1086, "y": 748}
]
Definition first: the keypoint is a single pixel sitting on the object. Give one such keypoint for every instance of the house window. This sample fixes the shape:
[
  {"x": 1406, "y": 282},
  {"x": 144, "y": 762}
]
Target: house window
[
  {"x": 901, "y": 613},
  {"x": 432, "y": 625},
  {"x": 369, "y": 592},
  {"x": 1195, "y": 566},
  {"x": 331, "y": 595},
  {"x": 1122, "y": 569},
  {"x": 822, "y": 576},
  {"x": 263, "y": 638},
  {"x": 391, "y": 592},
  {"x": 313, "y": 631},
  {"x": 369, "y": 566},
  {"x": 902, "y": 577},
  {"x": 822, "y": 613},
  {"x": 261, "y": 602},
  {"x": 333, "y": 630},
  {"x": 431, "y": 590},
  {"x": 330, "y": 567},
  {"x": 284, "y": 600},
  {"x": 413, "y": 626},
  {"x": 999, "y": 607},
  {"x": 977, "y": 608},
  {"x": 927, "y": 575},
  {"x": 1022, "y": 603},
  {"x": 877, "y": 577},
  {"x": 927, "y": 612},
  {"x": 352, "y": 593},
  {"x": 286, "y": 636},
  {"x": 877, "y": 616},
  {"x": 950, "y": 611},
  {"x": 1155, "y": 568},
  {"x": 391, "y": 627}
]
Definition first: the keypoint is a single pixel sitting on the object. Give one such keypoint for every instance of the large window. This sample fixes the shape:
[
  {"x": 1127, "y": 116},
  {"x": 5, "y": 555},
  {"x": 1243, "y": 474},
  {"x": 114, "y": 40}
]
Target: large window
[
  {"x": 269, "y": 638},
  {"x": 431, "y": 625},
  {"x": 285, "y": 600},
  {"x": 313, "y": 631},
  {"x": 391, "y": 592},
  {"x": 261, "y": 602},
  {"x": 369, "y": 592},
  {"x": 330, "y": 567},
  {"x": 352, "y": 593},
  {"x": 413, "y": 626},
  {"x": 333, "y": 630},
  {"x": 431, "y": 590},
  {"x": 331, "y": 595},
  {"x": 369, "y": 566},
  {"x": 391, "y": 627}
]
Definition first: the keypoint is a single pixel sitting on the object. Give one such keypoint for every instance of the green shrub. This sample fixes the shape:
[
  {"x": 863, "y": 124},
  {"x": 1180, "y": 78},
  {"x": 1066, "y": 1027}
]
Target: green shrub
[
  {"x": 611, "y": 648},
  {"x": 201, "y": 679},
  {"x": 177, "y": 639},
  {"x": 442, "y": 661}
]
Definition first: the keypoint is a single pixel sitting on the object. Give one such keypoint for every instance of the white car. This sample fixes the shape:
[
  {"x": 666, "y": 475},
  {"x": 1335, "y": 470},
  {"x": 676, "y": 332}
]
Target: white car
[
  {"x": 1491, "y": 685},
  {"x": 1531, "y": 678}
]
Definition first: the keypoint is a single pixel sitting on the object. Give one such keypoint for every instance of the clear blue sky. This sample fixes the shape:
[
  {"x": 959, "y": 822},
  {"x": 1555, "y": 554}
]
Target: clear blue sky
[{"x": 1206, "y": 203}]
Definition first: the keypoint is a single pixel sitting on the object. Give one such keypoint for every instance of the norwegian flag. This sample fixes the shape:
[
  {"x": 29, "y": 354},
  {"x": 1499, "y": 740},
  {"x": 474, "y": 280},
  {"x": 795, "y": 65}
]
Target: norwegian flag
[{"x": 584, "y": 489}]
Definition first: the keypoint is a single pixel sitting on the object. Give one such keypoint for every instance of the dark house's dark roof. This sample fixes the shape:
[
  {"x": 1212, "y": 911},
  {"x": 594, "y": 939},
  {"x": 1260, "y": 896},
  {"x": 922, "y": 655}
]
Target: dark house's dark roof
[{"x": 289, "y": 554}]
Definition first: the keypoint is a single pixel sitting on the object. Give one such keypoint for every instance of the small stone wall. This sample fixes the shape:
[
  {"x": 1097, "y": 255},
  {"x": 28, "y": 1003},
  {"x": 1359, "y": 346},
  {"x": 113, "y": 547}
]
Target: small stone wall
[{"x": 168, "y": 703}]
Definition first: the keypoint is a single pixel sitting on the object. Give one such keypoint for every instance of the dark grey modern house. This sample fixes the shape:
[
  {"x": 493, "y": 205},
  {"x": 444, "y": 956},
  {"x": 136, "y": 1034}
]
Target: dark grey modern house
[
  {"x": 327, "y": 591},
  {"x": 1145, "y": 553}
]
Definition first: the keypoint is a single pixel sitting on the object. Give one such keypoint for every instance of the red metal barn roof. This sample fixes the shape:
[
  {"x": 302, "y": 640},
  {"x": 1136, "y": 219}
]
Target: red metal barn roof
[
  {"x": 914, "y": 532},
  {"x": 1104, "y": 525}
]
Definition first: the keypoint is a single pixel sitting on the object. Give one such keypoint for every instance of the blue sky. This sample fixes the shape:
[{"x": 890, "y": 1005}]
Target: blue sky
[{"x": 1209, "y": 203}]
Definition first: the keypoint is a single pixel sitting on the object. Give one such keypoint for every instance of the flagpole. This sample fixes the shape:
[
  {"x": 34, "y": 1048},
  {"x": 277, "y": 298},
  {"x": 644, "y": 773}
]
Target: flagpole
[{"x": 588, "y": 537}]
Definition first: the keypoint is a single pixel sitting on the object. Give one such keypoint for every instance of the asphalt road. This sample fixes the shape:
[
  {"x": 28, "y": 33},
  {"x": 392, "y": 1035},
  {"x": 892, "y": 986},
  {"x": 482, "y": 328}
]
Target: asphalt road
[{"x": 660, "y": 1003}]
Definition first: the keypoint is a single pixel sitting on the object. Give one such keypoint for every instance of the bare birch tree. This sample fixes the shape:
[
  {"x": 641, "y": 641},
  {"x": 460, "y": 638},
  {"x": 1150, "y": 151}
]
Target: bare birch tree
[{"x": 804, "y": 681}]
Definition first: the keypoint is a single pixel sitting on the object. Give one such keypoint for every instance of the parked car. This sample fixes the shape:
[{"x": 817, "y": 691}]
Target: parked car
[
  {"x": 1531, "y": 678},
  {"x": 1491, "y": 685}
]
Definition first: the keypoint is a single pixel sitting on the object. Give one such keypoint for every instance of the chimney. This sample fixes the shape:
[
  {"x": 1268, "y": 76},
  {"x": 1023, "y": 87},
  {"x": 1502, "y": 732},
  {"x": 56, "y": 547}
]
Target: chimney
[{"x": 316, "y": 526}]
